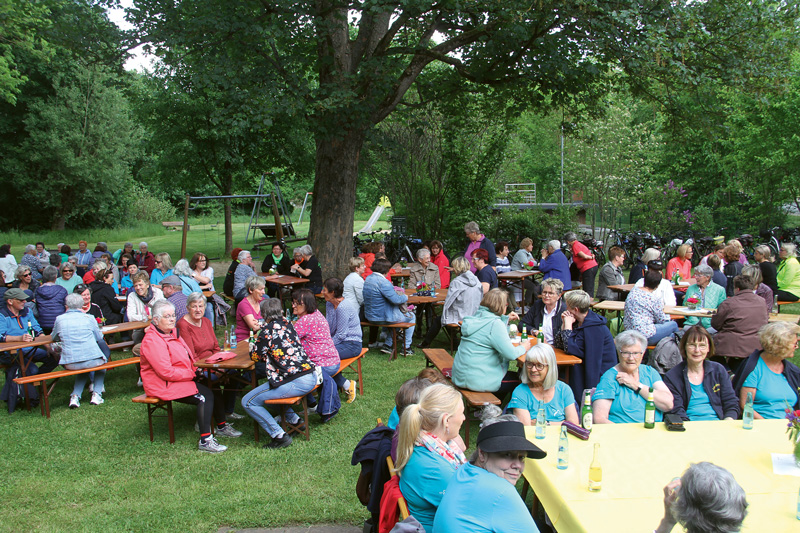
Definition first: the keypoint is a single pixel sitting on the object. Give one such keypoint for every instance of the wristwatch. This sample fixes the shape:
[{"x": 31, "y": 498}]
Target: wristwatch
[{"x": 638, "y": 389}]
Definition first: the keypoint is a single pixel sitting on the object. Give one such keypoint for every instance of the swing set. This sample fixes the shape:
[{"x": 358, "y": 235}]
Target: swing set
[{"x": 272, "y": 201}]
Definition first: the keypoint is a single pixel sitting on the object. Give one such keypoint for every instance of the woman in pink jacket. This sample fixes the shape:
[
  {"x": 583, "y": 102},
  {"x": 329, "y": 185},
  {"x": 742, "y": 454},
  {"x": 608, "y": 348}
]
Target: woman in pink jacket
[{"x": 168, "y": 372}]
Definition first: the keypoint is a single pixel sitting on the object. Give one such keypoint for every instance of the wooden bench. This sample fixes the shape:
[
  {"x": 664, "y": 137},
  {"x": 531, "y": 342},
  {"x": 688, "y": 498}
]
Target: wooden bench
[
  {"x": 41, "y": 379},
  {"x": 402, "y": 326},
  {"x": 782, "y": 302},
  {"x": 153, "y": 406},
  {"x": 453, "y": 331},
  {"x": 174, "y": 226},
  {"x": 345, "y": 364},
  {"x": 473, "y": 400}
]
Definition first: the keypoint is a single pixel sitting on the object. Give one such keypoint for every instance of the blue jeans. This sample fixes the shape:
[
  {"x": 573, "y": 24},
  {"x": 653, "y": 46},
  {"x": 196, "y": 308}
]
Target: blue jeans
[
  {"x": 81, "y": 379},
  {"x": 253, "y": 401},
  {"x": 347, "y": 350},
  {"x": 662, "y": 330}
]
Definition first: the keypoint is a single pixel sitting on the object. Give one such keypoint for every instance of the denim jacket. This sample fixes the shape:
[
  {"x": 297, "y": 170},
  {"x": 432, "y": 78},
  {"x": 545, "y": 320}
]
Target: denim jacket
[
  {"x": 78, "y": 333},
  {"x": 381, "y": 301}
]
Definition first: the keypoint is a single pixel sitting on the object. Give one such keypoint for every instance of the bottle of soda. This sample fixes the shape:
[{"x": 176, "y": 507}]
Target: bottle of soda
[
  {"x": 748, "y": 414},
  {"x": 233, "y": 337},
  {"x": 540, "y": 337},
  {"x": 595, "y": 471},
  {"x": 30, "y": 329},
  {"x": 563, "y": 450},
  {"x": 650, "y": 411},
  {"x": 586, "y": 411},
  {"x": 524, "y": 335},
  {"x": 226, "y": 344},
  {"x": 541, "y": 424}
]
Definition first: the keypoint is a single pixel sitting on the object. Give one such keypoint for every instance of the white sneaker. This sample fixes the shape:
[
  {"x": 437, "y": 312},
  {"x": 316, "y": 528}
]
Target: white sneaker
[
  {"x": 376, "y": 344},
  {"x": 74, "y": 401},
  {"x": 140, "y": 384},
  {"x": 211, "y": 445},
  {"x": 234, "y": 416},
  {"x": 97, "y": 398},
  {"x": 228, "y": 431}
]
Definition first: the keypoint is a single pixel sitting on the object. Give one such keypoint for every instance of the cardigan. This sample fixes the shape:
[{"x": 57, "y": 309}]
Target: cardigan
[
  {"x": 790, "y": 371},
  {"x": 716, "y": 383}
]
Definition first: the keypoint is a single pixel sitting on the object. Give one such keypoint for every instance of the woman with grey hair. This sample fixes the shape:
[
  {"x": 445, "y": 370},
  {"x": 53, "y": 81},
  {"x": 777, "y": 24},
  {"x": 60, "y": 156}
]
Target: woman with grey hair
[
  {"x": 168, "y": 372},
  {"x": 145, "y": 260},
  {"x": 478, "y": 240},
  {"x": 788, "y": 277},
  {"x": 638, "y": 270},
  {"x": 710, "y": 296},
  {"x": 29, "y": 260},
  {"x": 24, "y": 280},
  {"x": 306, "y": 266},
  {"x": 67, "y": 278},
  {"x": 585, "y": 334},
  {"x": 49, "y": 299},
  {"x": 554, "y": 264},
  {"x": 754, "y": 271},
  {"x": 706, "y": 499},
  {"x": 481, "y": 495},
  {"x": 769, "y": 272},
  {"x": 248, "y": 313},
  {"x": 621, "y": 394},
  {"x": 184, "y": 272},
  {"x": 82, "y": 346},
  {"x": 541, "y": 389}
]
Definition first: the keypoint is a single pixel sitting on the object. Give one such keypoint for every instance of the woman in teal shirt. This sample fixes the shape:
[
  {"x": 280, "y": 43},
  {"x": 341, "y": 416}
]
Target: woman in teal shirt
[
  {"x": 621, "y": 394},
  {"x": 427, "y": 456},
  {"x": 541, "y": 388},
  {"x": 773, "y": 381}
]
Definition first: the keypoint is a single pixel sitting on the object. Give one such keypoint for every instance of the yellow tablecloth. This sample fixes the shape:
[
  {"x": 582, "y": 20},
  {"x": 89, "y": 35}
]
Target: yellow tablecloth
[{"x": 637, "y": 463}]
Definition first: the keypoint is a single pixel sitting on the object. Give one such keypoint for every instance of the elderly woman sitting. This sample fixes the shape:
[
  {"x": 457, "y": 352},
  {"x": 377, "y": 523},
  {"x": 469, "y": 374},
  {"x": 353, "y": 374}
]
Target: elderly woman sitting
[
  {"x": 644, "y": 311},
  {"x": 584, "y": 334},
  {"x": 524, "y": 258},
  {"x": 29, "y": 259},
  {"x": 189, "y": 285},
  {"x": 345, "y": 329},
  {"x": 788, "y": 275},
  {"x": 248, "y": 313},
  {"x": 621, "y": 395},
  {"x": 67, "y": 278},
  {"x": 82, "y": 346},
  {"x": 706, "y": 499},
  {"x": 761, "y": 289},
  {"x": 168, "y": 372},
  {"x": 198, "y": 334},
  {"x": 738, "y": 320},
  {"x": 382, "y": 303},
  {"x": 424, "y": 271},
  {"x": 162, "y": 269},
  {"x": 25, "y": 281},
  {"x": 427, "y": 456},
  {"x": 244, "y": 271},
  {"x": 306, "y": 266},
  {"x": 541, "y": 388},
  {"x": 481, "y": 496},
  {"x": 768, "y": 375},
  {"x": 710, "y": 296},
  {"x": 545, "y": 314},
  {"x": 481, "y": 363},
  {"x": 463, "y": 299},
  {"x": 289, "y": 372},
  {"x": 353, "y": 284},
  {"x": 701, "y": 389}
]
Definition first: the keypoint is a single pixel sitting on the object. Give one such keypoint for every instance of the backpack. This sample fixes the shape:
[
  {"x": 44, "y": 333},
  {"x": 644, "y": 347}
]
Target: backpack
[{"x": 666, "y": 354}]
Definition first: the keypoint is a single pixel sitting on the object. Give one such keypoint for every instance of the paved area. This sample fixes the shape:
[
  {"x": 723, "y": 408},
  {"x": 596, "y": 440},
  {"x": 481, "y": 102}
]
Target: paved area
[{"x": 327, "y": 528}]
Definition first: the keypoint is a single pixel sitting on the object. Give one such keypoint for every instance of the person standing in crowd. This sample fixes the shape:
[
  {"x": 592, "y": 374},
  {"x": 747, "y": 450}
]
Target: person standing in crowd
[
  {"x": 478, "y": 240},
  {"x": 146, "y": 260},
  {"x": 585, "y": 261},
  {"x": 554, "y": 264}
]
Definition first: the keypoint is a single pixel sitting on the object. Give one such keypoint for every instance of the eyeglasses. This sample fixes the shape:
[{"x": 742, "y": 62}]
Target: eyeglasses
[
  {"x": 27, "y": 274},
  {"x": 537, "y": 366},
  {"x": 630, "y": 354},
  {"x": 158, "y": 262},
  {"x": 169, "y": 317},
  {"x": 549, "y": 293},
  {"x": 67, "y": 270}
]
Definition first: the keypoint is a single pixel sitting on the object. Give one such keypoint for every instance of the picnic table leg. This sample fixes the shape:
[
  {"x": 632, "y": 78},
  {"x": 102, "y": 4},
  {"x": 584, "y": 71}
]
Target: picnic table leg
[
  {"x": 522, "y": 283},
  {"x": 22, "y": 369},
  {"x": 44, "y": 401}
]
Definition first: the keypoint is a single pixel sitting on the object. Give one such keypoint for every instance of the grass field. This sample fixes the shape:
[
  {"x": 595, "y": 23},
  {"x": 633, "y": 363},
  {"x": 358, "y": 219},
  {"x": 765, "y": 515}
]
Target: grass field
[{"x": 94, "y": 468}]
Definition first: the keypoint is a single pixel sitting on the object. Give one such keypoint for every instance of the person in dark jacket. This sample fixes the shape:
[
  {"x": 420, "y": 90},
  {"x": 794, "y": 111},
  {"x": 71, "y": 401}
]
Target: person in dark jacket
[
  {"x": 280, "y": 261},
  {"x": 584, "y": 334},
  {"x": 719, "y": 277},
  {"x": 554, "y": 264},
  {"x": 701, "y": 389},
  {"x": 732, "y": 268},
  {"x": 545, "y": 314},
  {"x": 478, "y": 240},
  {"x": 49, "y": 299},
  {"x": 768, "y": 375},
  {"x": 227, "y": 285},
  {"x": 638, "y": 270},
  {"x": 769, "y": 272},
  {"x": 104, "y": 296}
]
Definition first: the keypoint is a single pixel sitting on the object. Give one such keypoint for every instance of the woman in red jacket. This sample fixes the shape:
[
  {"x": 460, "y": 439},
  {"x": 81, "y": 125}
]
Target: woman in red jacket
[{"x": 168, "y": 372}]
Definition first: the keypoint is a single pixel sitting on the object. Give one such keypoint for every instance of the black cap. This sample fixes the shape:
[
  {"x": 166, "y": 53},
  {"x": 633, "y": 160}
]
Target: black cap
[
  {"x": 507, "y": 436},
  {"x": 655, "y": 264}
]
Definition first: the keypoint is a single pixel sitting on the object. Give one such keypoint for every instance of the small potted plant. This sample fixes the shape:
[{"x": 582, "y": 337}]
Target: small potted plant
[
  {"x": 692, "y": 302},
  {"x": 793, "y": 430},
  {"x": 423, "y": 289},
  {"x": 530, "y": 265}
]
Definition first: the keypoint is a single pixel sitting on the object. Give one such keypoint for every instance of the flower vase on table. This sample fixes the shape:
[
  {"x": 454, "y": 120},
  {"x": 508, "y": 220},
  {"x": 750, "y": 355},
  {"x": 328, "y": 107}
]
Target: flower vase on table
[
  {"x": 794, "y": 432},
  {"x": 692, "y": 302},
  {"x": 530, "y": 265},
  {"x": 423, "y": 289}
]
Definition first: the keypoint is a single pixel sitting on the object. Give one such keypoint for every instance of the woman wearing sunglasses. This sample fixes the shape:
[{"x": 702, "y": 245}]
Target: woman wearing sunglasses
[{"x": 541, "y": 388}]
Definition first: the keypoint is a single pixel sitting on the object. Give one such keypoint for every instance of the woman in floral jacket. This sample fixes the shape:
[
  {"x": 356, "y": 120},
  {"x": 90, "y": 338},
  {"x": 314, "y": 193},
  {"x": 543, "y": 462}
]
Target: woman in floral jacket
[{"x": 289, "y": 371}]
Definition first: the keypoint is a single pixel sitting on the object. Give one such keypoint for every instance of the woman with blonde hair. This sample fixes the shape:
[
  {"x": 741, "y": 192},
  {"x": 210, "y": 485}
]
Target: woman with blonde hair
[
  {"x": 162, "y": 269},
  {"x": 481, "y": 363},
  {"x": 427, "y": 457}
]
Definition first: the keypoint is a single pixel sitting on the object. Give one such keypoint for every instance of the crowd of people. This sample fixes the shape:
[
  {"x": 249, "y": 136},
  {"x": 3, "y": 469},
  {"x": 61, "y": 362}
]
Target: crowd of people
[{"x": 300, "y": 353}]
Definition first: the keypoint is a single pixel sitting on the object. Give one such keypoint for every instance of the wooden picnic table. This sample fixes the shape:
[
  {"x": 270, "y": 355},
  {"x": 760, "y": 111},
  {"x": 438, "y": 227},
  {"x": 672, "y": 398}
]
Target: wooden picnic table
[
  {"x": 517, "y": 277},
  {"x": 283, "y": 281},
  {"x": 441, "y": 295},
  {"x": 628, "y": 287}
]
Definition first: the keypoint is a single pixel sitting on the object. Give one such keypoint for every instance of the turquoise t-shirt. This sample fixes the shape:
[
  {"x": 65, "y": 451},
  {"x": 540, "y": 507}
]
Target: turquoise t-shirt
[
  {"x": 699, "y": 405},
  {"x": 477, "y": 501},
  {"x": 156, "y": 276},
  {"x": 422, "y": 483},
  {"x": 554, "y": 410},
  {"x": 773, "y": 392},
  {"x": 626, "y": 405},
  {"x": 394, "y": 419}
]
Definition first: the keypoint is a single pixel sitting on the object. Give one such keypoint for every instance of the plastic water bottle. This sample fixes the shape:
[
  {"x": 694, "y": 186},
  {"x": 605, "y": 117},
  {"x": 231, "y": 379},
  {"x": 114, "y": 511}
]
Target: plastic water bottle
[
  {"x": 233, "y": 337},
  {"x": 563, "y": 449},
  {"x": 541, "y": 424},
  {"x": 748, "y": 414}
]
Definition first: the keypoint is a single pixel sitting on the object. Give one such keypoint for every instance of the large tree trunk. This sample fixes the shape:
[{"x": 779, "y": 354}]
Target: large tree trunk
[{"x": 331, "y": 230}]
